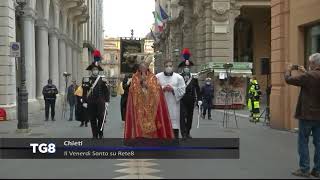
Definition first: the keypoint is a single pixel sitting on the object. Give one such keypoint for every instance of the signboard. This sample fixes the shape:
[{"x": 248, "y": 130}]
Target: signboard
[
  {"x": 219, "y": 65},
  {"x": 238, "y": 86},
  {"x": 129, "y": 46},
  {"x": 15, "y": 50}
]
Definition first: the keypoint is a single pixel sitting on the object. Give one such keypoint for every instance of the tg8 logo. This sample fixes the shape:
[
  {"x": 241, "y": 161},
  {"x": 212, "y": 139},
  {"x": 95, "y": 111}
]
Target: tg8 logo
[{"x": 43, "y": 148}]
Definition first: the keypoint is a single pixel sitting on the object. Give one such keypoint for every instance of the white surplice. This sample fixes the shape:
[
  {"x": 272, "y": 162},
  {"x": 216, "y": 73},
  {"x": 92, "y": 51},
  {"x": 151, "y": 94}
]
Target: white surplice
[{"x": 176, "y": 81}]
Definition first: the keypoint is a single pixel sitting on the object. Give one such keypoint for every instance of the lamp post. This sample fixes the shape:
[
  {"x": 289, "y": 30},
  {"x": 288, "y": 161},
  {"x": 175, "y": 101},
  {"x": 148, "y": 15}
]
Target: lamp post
[{"x": 22, "y": 108}]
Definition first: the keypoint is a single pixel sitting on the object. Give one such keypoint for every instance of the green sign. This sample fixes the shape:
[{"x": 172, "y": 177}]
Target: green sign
[{"x": 220, "y": 65}]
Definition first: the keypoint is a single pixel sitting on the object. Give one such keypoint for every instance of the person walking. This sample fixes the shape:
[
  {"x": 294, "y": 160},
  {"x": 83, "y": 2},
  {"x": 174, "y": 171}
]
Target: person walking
[
  {"x": 207, "y": 92},
  {"x": 307, "y": 112},
  {"x": 49, "y": 93},
  {"x": 174, "y": 88},
  {"x": 96, "y": 97},
  {"x": 81, "y": 112},
  {"x": 191, "y": 96},
  {"x": 72, "y": 98}
]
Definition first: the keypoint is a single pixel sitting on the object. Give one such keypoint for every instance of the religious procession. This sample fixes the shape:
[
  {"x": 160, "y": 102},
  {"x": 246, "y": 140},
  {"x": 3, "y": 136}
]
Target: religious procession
[{"x": 153, "y": 106}]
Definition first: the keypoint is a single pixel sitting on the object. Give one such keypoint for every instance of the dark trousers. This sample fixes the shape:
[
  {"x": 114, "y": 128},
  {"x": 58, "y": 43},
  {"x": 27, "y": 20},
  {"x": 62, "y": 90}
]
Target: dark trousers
[
  {"x": 71, "y": 105},
  {"x": 96, "y": 113},
  {"x": 207, "y": 105},
  {"x": 305, "y": 129},
  {"x": 50, "y": 103},
  {"x": 123, "y": 107},
  {"x": 186, "y": 117}
]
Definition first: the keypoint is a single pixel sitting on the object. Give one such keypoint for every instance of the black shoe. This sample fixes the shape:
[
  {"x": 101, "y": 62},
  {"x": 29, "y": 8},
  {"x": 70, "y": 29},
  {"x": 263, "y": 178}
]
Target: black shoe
[
  {"x": 209, "y": 118},
  {"x": 70, "y": 119},
  {"x": 315, "y": 173},
  {"x": 300, "y": 173},
  {"x": 86, "y": 124},
  {"x": 81, "y": 125},
  {"x": 100, "y": 135},
  {"x": 184, "y": 138},
  {"x": 46, "y": 120},
  {"x": 189, "y": 137},
  {"x": 53, "y": 119}
]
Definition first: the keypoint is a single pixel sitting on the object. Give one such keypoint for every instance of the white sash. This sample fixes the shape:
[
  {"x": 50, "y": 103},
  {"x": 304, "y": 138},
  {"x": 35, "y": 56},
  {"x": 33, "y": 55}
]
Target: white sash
[{"x": 93, "y": 86}]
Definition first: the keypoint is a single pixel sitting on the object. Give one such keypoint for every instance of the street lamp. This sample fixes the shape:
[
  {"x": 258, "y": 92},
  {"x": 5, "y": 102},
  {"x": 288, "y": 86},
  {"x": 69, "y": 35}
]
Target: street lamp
[{"x": 22, "y": 108}]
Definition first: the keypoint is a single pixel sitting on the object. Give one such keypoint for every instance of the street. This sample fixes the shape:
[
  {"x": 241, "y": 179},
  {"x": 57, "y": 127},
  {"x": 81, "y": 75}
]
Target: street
[{"x": 264, "y": 152}]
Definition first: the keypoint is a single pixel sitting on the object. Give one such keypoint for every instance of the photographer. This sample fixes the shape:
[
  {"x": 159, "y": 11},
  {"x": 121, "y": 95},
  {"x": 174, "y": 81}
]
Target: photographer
[
  {"x": 50, "y": 92},
  {"x": 307, "y": 112}
]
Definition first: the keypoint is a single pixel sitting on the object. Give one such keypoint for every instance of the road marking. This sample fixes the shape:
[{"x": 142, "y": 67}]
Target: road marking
[{"x": 137, "y": 169}]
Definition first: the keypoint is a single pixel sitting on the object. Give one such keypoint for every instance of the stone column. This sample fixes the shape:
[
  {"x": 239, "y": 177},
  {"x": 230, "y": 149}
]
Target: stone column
[
  {"x": 54, "y": 57},
  {"x": 187, "y": 25},
  {"x": 69, "y": 57},
  {"x": 221, "y": 33},
  {"x": 62, "y": 62},
  {"x": 208, "y": 31},
  {"x": 42, "y": 55},
  {"x": 75, "y": 62},
  {"x": 233, "y": 15},
  {"x": 29, "y": 52}
]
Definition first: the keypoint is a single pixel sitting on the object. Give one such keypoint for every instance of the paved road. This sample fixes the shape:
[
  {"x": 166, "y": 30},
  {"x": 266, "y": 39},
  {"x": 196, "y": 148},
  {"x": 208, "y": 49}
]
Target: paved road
[{"x": 264, "y": 153}]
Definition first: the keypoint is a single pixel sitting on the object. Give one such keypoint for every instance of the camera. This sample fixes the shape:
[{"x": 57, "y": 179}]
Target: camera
[
  {"x": 65, "y": 74},
  {"x": 295, "y": 67}
]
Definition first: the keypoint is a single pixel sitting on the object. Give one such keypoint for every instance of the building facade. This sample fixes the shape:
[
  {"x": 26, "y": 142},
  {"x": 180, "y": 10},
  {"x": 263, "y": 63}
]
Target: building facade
[
  {"x": 148, "y": 49},
  {"x": 295, "y": 36},
  {"x": 218, "y": 31},
  {"x": 58, "y": 37},
  {"x": 111, "y": 57}
]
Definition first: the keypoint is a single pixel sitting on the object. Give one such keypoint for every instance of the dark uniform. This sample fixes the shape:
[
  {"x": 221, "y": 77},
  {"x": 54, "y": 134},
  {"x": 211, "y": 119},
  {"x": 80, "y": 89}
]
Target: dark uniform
[
  {"x": 191, "y": 95},
  {"x": 187, "y": 103},
  {"x": 96, "y": 98},
  {"x": 124, "y": 96},
  {"x": 50, "y": 92},
  {"x": 81, "y": 112}
]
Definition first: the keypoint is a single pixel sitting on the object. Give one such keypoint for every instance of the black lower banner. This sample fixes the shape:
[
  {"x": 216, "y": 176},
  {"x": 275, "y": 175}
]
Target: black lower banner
[{"x": 76, "y": 148}]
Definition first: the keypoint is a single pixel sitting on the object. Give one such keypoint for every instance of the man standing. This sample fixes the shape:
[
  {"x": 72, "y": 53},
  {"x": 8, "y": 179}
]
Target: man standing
[
  {"x": 207, "y": 92},
  {"x": 96, "y": 97},
  {"x": 254, "y": 100},
  {"x": 72, "y": 98},
  {"x": 174, "y": 88},
  {"x": 307, "y": 112},
  {"x": 188, "y": 100},
  {"x": 50, "y": 92}
]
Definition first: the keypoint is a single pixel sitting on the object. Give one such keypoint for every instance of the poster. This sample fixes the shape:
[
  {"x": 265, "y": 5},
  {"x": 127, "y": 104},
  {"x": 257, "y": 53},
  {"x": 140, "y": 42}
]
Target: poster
[{"x": 236, "y": 91}]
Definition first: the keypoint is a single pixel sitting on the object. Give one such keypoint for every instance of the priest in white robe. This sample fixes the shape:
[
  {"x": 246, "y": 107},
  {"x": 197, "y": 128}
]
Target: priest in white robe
[{"x": 174, "y": 88}]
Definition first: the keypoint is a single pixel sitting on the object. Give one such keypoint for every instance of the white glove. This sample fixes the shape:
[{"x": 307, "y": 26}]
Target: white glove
[
  {"x": 85, "y": 105},
  {"x": 106, "y": 105},
  {"x": 199, "y": 103},
  {"x": 129, "y": 81}
]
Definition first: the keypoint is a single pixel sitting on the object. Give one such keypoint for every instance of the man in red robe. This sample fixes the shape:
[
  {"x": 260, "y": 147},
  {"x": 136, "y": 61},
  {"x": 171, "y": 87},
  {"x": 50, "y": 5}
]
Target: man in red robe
[{"x": 147, "y": 113}]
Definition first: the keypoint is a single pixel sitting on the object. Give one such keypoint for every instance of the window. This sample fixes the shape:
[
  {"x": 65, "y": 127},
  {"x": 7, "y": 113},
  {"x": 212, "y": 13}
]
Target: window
[{"x": 312, "y": 41}]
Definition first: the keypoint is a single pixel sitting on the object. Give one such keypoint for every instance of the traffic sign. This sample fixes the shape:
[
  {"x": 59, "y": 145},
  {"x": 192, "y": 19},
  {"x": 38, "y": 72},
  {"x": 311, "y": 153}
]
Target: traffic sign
[{"x": 15, "y": 50}]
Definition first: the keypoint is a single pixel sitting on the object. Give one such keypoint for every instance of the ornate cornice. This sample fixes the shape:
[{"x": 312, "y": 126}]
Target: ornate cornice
[
  {"x": 221, "y": 11},
  {"x": 42, "y": 23},
  {"x": 29, "y": 13},
  {"x": 54, "y": 31}
]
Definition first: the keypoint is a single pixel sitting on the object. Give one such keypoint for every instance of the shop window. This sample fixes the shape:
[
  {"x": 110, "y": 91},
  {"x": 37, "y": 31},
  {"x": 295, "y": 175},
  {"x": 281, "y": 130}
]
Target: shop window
[{"x": 312, "y": 41}]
